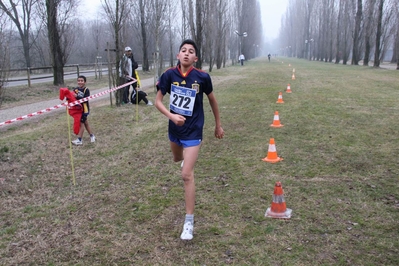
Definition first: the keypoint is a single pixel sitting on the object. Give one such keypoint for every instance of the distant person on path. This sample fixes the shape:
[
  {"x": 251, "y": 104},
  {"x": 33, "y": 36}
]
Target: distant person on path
[
  {"x": 268, "y": 56},
  {"x": 241, "y": 58},
  {"x": 127, "y": 69},
  {"x": 187, "y": 86},
  {"x": 142, "y": 96},
  {"x": 82, "y": 92}
]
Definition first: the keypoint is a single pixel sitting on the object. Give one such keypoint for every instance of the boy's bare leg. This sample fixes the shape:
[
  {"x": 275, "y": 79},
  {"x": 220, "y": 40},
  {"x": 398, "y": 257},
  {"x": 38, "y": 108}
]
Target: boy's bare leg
[
  {"x": 187, "y": 173},
  {"x": 87, "y": 126},
  {"x": 177, "y": 152},
  {"x": 81, "y": 130}
]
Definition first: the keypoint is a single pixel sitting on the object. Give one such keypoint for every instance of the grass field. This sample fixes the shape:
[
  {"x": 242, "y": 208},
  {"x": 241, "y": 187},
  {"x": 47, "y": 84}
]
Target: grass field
[{"x": 339, "y": 174}]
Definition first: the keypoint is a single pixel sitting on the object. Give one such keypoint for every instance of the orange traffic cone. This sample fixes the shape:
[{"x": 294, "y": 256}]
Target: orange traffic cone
[
  {"x": 280, "y": 98},
  {"x": 293, "y": 76},
  {"x": 276, "y": 120},
  {"x": 272, "y": 153},
  {"x": 278, "y": 208},
  {"x": 293, "y": 70},
  {"x": 288, "y": 89},
  {"x": 289, "y": 64}
]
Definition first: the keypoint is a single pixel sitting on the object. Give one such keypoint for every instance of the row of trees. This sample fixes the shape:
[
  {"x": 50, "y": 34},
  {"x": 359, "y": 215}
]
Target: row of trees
[
  {"x": 341, "y": 30},
  {"x": 52, "y": 32}
]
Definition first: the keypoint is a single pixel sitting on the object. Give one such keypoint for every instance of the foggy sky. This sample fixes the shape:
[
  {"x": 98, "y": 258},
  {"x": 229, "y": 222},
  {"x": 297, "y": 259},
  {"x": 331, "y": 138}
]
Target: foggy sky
[{"x": 271, "y": 11}]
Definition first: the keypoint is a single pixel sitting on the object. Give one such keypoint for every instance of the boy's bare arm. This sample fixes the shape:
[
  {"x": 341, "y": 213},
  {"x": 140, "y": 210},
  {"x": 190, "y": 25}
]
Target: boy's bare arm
[
  {"x": 219, "y": 132},
  {"x": 176, "y": 118}
]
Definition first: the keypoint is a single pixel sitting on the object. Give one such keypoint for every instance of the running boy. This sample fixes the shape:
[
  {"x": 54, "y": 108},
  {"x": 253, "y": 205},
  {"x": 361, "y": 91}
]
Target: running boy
[
  {"x": 186, "y": 86},
  {"x": 82, "y": 92}
]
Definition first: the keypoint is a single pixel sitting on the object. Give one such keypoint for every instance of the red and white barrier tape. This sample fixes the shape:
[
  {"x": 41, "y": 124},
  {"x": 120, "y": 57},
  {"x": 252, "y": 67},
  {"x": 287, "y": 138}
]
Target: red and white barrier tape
[{"x": 67, "y": 104}]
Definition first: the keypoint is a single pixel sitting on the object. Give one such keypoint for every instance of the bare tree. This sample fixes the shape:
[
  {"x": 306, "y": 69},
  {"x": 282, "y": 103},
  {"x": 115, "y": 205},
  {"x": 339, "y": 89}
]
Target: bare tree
[
  {"x": 158, "y": 14},
  {"x": 97, "y": 33},
  {"x": 54, "y": 41},
  {"x": 251, "y": 22},
  {"x": 21, "y": 13},
  {"x": 195, "y": 25},
  {"x": 60, "y": 33},
  {"x": 356, "y": 25},
  {"x": 40, "y": 53},
  {"x": 67, "y": 26},
  {"x": 308, "y": 14},
  {"x": 323, "y": 33},
  {"x": 222, "y": 27},
  {"x": 333, "y": 25},
  {"x": 171, "y": 28},
  {"x": 368, "y": 31},
  {"x": 4, "y": 55},
  {"x": 395, "y": 52},
  {"x": 357, "y": 33},
  {"x": 338, "y": 54},
  {"x": 346, "y": 31},
  {"x": 210, "y": 34},
  {"x": 116, "y": 12},
  {"x": 184, "y": 19},
  {"x": 143, "y": 20},
  {"x": 378, "y": 34},
  {"x": 388, "y": 28}
]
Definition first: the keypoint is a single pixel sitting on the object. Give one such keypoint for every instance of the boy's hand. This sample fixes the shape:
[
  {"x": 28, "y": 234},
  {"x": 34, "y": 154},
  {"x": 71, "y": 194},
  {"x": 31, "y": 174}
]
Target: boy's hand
[
  {"x": 179, "y": 120},
  {"x": 219, "y": 132}
]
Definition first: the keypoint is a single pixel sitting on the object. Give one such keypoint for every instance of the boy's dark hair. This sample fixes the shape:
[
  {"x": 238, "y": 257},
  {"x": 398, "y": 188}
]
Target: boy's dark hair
[
  {"x": 82, "y": 77},
  {"x": 189, "y": 41}
]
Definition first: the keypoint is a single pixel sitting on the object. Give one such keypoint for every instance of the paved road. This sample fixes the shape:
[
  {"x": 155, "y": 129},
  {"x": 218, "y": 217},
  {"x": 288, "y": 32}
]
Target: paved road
[
  {"x": 18, "y": 111},
  {"x": 43, "y": 78}
]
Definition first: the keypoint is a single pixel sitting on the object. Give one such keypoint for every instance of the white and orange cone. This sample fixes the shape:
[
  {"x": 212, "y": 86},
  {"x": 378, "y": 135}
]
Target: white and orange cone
[
  {"x": 272, "y": 153},
  {"x": 280, "y": 98},
  {"x": 288, "y": 89},
  {"x": 278, "y": 208},
  {"x": 276, "y": 120},
  {"x": 293, "y": 76}
]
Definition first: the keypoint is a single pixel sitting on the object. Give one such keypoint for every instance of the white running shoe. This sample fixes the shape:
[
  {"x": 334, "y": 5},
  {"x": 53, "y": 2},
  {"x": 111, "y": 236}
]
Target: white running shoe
[
  {"x": 150, "y": 103},
  {"x": 92, "y": 138},
  {"x": 187, "y": 233},
  {"x": 77, "y": 142}
]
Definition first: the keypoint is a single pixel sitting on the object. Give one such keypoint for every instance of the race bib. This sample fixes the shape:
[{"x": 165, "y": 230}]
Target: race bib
[{"x": 182, "y": 100}]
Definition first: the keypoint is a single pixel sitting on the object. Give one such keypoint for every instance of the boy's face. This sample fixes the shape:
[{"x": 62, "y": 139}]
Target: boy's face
[
  {"x": 81, "y": 82},
  {"x": 187, "y": 55}
]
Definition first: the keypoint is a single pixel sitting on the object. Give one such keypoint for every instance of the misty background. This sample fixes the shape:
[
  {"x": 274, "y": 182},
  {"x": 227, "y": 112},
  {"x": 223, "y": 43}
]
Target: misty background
[{"x": 55, "y": 33}]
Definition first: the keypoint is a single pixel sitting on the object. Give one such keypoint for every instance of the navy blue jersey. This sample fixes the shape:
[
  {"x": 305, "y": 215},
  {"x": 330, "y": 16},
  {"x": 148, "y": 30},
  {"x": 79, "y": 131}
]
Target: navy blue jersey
[{"x": 193, "y": 79}]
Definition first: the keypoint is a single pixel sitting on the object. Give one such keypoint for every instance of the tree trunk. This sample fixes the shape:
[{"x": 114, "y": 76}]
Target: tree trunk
[
  {"x": 378, "y": 34},
  {"x": 330, "y": 36},
  {"x": 368, "y": 32},
  {"x": 198, "y": 36},
  {"x": 145, "y": 64},
  {"x": 220, "y": 44},
  {"x": 21, "y": 15},
  {"x": 347, "y": 29},
  {"x": 117, "y": 23},
  {"x": 395, "y": 50},
  {"x": 54, "y": 41},
  {"x": 338, "y": 53},
  {"x": 395, "y": 54},
  {"x": 356, "y": 34}
]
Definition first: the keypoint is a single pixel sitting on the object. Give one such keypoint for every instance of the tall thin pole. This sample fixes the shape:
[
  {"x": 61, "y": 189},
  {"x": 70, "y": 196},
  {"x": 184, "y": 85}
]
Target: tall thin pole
[{"x": 109, "y": 73}]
